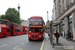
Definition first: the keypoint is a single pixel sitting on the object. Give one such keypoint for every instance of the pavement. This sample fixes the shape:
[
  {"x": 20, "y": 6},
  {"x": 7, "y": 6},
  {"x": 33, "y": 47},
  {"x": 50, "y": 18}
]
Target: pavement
[{"x": 62, "y": 45}]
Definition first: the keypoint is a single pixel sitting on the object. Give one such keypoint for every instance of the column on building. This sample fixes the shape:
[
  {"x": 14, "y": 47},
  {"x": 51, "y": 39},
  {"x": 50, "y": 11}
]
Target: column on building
[
  {"x": 55, "y": 10},
  {"x": 61, "y": 6},
  {"x": 55, "y": 14},
  {"x": 57, "y": 7},
  {"x": 66, "y": 24},
  {"x": 73, "y": 23},
  {"x": 65, "y": 3}
]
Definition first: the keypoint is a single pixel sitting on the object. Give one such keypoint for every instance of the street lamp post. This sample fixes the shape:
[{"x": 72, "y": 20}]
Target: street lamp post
[
  {"x": 47, "y": 15},
  {"x": 47, "y": 20}
]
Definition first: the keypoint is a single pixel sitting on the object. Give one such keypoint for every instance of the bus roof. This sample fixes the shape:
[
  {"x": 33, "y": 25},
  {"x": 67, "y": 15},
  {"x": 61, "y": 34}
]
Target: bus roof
[
  {"x": 15, "y": 23},
  {"x": 4, "y": 20},
  {"x": 36, "y": 17}
]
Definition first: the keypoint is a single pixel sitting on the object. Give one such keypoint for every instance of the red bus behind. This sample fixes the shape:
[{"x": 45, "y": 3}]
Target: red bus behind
[
  {"x": 16, "y": 29},
  {"x": 5, "y": 28}
]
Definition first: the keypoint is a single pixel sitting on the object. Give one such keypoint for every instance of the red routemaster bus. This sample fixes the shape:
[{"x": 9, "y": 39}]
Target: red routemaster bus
[
  {"x": 5, "y": 28},
  {"x": 16, "y": 29},
  {"x": 36, "y": 28}
]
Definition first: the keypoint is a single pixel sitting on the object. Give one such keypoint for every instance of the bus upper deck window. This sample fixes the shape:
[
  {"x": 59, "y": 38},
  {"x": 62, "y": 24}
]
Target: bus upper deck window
[
  {"x": 7, "y": 23},
  {"x": 33, "y": 19},
  {"x": 0, "y": 22},
  {"x": 38, "y": 19}
]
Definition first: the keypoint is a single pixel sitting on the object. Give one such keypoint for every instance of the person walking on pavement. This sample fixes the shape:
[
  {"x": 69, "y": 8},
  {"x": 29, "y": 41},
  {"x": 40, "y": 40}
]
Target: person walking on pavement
[
  {"x": 67, "y": 34},
  {"x": 57, "y": 36},
  {"x": 72, "y": 36},
  {"x": 63, "y": 33}
]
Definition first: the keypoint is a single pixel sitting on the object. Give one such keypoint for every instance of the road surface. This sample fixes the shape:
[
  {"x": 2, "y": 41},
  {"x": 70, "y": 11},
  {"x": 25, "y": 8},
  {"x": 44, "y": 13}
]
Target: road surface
[{"x": 19, "y": 42}]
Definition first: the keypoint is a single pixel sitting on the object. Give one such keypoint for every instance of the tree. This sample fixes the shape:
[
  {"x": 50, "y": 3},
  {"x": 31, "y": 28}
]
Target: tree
[
  {"x": 13, "y": 15},
  {"x": 2, "y": 17}
]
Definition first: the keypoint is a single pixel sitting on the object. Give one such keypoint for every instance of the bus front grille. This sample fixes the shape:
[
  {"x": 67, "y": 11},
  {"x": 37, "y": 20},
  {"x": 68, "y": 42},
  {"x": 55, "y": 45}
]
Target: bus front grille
[{"x": 34, "y": 36}]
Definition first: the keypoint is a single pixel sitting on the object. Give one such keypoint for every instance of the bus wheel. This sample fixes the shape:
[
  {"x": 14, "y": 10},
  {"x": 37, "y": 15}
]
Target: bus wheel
[
  {"x": 4, "y": 35},
  {"x": 16, "y": 34},
  {"x": 42, "y": 38},
  {"x": 29, "y": 39},
  {"x": 21, "y": 33}
]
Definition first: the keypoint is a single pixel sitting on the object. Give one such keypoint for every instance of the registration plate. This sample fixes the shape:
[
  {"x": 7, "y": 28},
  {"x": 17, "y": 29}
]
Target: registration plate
[{"x": 35, "y": 23}]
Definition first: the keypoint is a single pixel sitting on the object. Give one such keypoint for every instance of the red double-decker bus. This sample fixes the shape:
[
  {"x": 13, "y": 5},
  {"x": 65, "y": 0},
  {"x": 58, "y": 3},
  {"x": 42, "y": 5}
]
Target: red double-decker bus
[
  {"x": 36, "y": 28},
  {"x": 16, "y": 29},
  {"x": 5, "y": 28}
]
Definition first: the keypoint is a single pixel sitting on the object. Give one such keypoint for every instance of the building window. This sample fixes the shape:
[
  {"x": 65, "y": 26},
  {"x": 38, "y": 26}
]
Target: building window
[
  {"x": 70, "y": 24},
  {"x": 8, "y": 30}
]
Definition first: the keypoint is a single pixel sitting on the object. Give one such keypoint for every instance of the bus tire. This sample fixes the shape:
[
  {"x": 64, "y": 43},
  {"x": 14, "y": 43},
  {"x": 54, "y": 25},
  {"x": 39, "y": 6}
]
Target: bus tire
[
  {"x": 29, "y": 39},
  {"x": 42, "y": 38},
  {"x": 4, "y": 35},
  {"x": 21, "y": 33},
  {"x": 16, "y": 34}
]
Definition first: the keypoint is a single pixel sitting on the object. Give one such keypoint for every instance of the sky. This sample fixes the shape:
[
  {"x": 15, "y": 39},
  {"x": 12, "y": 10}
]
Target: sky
[{"x": 29, "y": 8}]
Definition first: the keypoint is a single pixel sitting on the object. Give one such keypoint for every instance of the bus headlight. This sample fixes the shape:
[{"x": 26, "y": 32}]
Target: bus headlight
[
  {"x": 29, "y": 35},
  {"x": 39, "y": 35},
  {"x": 29, "y": 31}
]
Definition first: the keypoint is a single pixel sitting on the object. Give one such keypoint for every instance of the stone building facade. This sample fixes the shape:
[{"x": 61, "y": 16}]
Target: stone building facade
[
  {"x": 65, "y": 10},
  {"x": 25, "y": 23}
]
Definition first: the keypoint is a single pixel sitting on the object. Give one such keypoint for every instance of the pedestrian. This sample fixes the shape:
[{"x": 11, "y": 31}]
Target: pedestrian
[
  {"x": 63, "y": 33},
  {"x": 57, "y": 36},
  {"x": 72, "y": 36},
  {"x": 66, "y": 34},
  {"x": 69, "y": 35}
]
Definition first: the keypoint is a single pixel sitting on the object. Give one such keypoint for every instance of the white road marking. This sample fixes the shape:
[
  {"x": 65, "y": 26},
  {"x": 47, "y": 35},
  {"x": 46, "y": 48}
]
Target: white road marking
[
  {"x": 15, "y": 47},
  {"x": 22, "y": 43},
  {"x": 19, "y": 49},
  {"x": 3, "y": 45}
]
